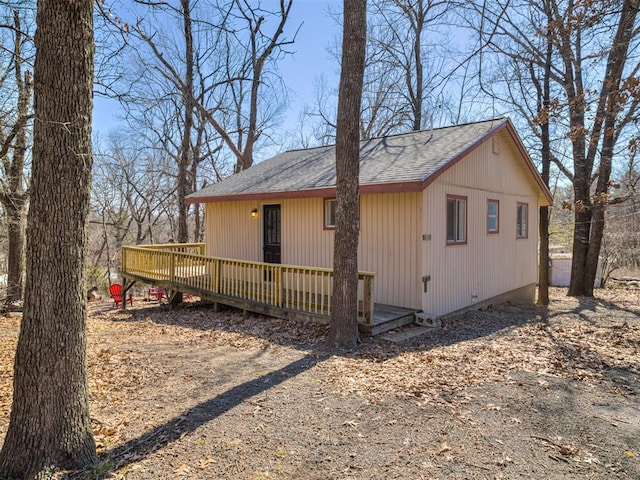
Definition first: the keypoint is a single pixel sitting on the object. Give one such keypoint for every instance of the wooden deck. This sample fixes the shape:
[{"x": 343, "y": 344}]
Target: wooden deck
[
  {"x": 285, "y": 291},
  {"x": 387, "y": 317}
]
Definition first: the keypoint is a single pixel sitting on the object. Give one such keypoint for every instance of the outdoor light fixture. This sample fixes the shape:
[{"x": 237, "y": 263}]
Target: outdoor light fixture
[{"x": 254, "y": 213}]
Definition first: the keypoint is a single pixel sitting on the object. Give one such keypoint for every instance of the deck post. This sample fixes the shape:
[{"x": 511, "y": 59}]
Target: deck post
[
  {"x": 123, "y": 298},
  {"x": 126, "y": 285},
  {"x": 175, "y": 297},
  {"x": 172, "y": 267},
  {"x": 279, "y": 288},
  {"x": 123, "y": 256},
  {"x": 216, "y": 283},
  {"x": 367, "y": 299}
]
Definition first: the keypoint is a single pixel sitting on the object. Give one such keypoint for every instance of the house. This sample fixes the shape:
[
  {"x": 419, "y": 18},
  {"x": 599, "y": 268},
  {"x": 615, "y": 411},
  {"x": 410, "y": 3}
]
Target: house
[{"x": 448, "y": 217}]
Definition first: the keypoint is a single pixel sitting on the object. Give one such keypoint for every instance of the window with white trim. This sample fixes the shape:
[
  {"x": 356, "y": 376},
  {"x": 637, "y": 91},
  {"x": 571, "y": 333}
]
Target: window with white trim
[
  {"x": 522, "y": 220},
  {"x": 456, "y": 220}
]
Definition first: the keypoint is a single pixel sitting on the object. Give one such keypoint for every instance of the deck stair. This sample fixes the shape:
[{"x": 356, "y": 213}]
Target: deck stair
[{"x": 386, "y": 318}]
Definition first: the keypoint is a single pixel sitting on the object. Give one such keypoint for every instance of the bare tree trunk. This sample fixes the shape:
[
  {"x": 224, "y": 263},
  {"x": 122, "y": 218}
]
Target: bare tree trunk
[
  {"x": 581, "y": 235},
  {"x": 49, "y": 424},
  {"x": 615, "y": 71},
  {"x": 105, "y": 234},
  {"x": 197, "y": 224},
  {"x": 574, "y": 87},
  {"x": 15, "y": 252},
  {"x": 343, "y": 331},
  {"x": 543, "y": 266},
  {"x": 417, "y": 58},
  {"x": 544, "y": 106},
  {"x": 185, "y": 151},
  {"x": 613, "y": 98},
  {"x": 14, "y": 199}
]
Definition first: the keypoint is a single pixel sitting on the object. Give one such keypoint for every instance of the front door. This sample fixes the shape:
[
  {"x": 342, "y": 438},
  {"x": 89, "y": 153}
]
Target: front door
[{"x": 271, "y": 248}]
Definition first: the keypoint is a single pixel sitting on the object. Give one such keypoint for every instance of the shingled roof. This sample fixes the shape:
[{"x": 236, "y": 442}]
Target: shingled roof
[{"x": 406, "y": 162}]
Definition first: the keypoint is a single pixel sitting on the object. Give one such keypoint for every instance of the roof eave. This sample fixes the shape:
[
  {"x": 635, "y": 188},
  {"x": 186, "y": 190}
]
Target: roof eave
[
  {"x": 429, "y": 179},
  {"x": 396, "y": 187},
  {"x": 545, "y": 199}
]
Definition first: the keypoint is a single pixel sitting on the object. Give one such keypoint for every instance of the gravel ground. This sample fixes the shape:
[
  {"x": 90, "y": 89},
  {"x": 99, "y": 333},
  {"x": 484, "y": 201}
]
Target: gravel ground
[{"x": 513, "y": 392}]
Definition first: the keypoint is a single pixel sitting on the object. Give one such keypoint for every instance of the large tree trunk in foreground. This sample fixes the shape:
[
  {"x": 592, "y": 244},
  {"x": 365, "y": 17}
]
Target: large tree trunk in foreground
[
  {"x": 343, "y": 332},
  {"x": 49, "y": 424}
]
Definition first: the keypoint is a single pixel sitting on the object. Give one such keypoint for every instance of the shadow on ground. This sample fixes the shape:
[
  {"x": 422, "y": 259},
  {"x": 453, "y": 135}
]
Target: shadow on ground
[
  {"x": 309, "y": 338},
  {"x": 175, "y": 428},
  {"x": 588, "y": 306}
]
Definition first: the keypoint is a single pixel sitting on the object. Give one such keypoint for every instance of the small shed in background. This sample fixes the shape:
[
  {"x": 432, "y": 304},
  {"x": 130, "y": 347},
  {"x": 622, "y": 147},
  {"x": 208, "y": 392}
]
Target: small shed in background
[{"x": 560, "y": 269}]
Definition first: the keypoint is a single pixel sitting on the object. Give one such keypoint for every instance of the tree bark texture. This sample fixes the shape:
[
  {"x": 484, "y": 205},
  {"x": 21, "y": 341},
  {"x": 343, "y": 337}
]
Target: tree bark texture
[
  {"x": 543, "y": 266},
  {"x": 582, "y": 167},
  {"x": 15, "y": 251},
  {"x": 544, "y": 106},
  {"x": 49, "y": 424},
  {"x": 417, "y": 18},
  {"x": 15, "y": 198},
  {"x": 185, "y": 148},
  {"x": 615, "y": 70},
  {"x": 343, "y": 331}
]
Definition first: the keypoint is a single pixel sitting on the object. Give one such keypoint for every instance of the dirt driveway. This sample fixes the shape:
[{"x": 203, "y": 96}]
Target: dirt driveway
[{"x": 516, "y": 392}]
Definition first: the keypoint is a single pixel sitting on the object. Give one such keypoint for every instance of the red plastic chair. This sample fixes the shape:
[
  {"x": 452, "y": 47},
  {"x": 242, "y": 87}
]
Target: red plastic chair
[
  {"x": 158, "y": 293},
  {"x": 116, "y": 293}
]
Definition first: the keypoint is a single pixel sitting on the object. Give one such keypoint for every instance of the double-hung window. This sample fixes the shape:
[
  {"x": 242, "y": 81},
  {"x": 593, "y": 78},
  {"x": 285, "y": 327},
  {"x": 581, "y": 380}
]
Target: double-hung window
[
  {"x": 522, "y": 220},
  {"x": 456, "y": 220}
]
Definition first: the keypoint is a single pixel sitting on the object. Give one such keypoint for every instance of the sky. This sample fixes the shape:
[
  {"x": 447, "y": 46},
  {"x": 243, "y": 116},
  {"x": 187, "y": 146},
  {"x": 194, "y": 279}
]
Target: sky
[{"x": 309, "y": 60}]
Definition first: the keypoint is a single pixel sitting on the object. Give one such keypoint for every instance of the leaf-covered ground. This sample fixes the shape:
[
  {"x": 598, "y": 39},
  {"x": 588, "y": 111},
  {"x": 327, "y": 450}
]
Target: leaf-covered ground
[{"x": 515, "y": 392}]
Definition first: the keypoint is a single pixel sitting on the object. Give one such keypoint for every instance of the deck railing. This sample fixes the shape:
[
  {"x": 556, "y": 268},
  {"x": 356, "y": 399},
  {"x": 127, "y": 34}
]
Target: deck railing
[{"x": 184, "y": 266}]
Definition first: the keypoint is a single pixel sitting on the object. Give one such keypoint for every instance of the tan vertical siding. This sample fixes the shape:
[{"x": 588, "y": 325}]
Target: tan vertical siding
[
  {"x": 389, "y": 241},
  {"x": 231, "y": 231},
  {"x": 304, "y": 239},
  {"x": 487, "y": 265}
]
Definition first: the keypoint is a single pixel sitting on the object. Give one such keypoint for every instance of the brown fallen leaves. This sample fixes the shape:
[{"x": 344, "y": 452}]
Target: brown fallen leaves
[
  {"x": 9, "y": 329},
  {"x": 574, "y": 338},
  {"x": 106, "y": 436}
]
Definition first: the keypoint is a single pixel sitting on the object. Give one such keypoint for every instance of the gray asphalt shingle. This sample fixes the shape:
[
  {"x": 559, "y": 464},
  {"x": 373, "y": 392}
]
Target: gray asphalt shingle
[{"x": 410, "y": 157}]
